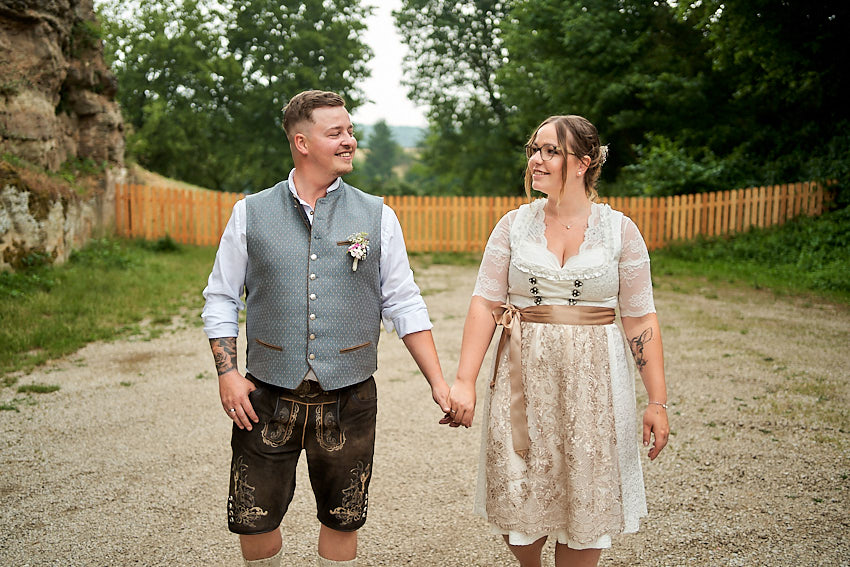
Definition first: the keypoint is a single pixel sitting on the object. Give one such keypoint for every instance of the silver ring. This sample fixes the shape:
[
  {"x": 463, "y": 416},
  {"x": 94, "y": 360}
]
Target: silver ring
[
  {"x": 232, "y": 409},
  {"x": 453, "y": 411}
]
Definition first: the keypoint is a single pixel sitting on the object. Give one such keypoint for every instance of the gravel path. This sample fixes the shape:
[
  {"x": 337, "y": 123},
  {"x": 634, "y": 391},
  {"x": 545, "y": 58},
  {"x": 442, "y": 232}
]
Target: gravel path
[{"x": 128, "y": 463}]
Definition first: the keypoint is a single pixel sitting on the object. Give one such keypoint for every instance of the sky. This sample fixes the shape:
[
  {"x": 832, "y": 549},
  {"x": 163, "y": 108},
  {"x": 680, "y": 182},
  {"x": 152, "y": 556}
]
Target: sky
[{"x": 383, "y": 88}]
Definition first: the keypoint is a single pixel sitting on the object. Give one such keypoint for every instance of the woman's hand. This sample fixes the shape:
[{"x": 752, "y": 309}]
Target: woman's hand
[
  {"x": 461, "y": 403},
  {"x": 655, "y": 425}
]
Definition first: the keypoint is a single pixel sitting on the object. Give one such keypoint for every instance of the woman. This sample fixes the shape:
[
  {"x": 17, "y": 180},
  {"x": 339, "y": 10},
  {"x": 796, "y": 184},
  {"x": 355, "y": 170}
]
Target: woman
[{"x": 561, "y": 457}]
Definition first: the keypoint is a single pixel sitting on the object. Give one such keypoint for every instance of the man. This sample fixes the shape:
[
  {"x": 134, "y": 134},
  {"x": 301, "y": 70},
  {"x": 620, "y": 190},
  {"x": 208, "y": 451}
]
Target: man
[{"x": 321, "y": 264}]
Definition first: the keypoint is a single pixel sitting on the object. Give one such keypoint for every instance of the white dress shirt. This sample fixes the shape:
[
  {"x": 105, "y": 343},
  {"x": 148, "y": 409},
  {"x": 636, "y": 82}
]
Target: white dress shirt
[{"x": 402, "y": 306}]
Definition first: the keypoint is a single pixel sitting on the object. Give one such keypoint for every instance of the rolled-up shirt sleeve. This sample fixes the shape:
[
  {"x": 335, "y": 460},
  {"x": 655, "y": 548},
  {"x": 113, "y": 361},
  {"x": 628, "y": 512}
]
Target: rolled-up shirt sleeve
[
  {"x": 226, "y": 283},
  {"x": 402, "y": 306}
]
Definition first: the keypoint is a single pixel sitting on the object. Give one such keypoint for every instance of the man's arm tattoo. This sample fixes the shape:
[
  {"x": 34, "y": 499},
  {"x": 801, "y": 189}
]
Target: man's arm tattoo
[
  {"x": 224, "y": 353},
  {"x": 637, "y": 344}
]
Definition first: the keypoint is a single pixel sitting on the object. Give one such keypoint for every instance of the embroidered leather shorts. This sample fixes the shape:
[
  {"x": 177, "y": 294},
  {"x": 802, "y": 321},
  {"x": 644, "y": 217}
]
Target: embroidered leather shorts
[{"x": 336, "y": 429}]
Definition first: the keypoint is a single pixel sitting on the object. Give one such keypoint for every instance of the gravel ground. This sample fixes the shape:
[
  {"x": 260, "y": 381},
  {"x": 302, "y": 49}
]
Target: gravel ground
[{"x": 128, "y": 463}]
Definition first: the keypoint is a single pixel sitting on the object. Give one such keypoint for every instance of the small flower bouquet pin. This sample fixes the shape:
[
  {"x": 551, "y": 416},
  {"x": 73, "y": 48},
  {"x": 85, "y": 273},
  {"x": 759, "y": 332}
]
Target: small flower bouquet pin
[{"x": 359, "y": 248}]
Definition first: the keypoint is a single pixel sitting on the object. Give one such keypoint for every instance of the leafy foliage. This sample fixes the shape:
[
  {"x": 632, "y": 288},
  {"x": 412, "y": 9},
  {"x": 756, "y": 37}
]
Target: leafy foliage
[
  {"x": 456, "y": 51},
  {"x": 626, "y": 65},
  {"x": 690, "y": 97},
  {"x": 665, "y": 166},
  {"x": 202, "y": 86}
]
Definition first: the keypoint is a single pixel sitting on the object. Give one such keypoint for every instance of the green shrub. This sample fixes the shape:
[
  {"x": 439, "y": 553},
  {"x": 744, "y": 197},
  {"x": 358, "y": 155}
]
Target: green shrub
[
  {"x": 806, "y": 254},
  {"x": 164, "y": 244},
  {"x": 667, "y": 167},
  {"x": 103, "y": 253}
]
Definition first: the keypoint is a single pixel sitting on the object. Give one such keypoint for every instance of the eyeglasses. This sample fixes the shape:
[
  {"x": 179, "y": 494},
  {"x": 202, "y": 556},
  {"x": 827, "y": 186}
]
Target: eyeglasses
[{"x": 547, "y": 151}]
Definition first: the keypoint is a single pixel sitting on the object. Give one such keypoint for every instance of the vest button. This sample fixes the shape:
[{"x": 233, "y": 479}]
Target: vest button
[
  {"x": 313, "y": 257},
  {"x": 312, "y": 296},
  {"x": 312, "y": 276},
  {"x": 312, "y": 356},
  {"x": 312, "y": 336},
  {"x": 312, "y": 316}
]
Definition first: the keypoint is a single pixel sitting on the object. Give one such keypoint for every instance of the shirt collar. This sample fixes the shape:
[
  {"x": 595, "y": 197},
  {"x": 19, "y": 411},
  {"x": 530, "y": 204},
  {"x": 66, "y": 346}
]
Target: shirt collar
[{"x": 291, "y": 179}]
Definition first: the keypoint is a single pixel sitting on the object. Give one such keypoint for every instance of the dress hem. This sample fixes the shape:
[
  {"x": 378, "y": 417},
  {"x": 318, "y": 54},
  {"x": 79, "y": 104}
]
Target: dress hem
[{"x": 518, "y": 538}]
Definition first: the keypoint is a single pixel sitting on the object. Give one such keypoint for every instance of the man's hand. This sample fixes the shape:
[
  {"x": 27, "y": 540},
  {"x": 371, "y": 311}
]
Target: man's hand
[
  {"x": 234, "y": 389},
  {"x": 440, "y": 393},
  {"x": 232, "y": 386},
  {"x": 421, "y": 347}
]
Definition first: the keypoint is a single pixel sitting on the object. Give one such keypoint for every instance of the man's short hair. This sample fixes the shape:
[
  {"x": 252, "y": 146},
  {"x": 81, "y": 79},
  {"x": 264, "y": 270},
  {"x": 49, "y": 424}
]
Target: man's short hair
[{"x": 300, "y": 108}]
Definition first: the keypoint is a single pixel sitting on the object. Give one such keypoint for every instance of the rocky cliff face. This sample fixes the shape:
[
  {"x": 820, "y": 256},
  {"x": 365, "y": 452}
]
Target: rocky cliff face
[
  {"x": 42, "y": 219},
  {"x": 56, "y": 93},
  {"x": 56, "y": 105}
]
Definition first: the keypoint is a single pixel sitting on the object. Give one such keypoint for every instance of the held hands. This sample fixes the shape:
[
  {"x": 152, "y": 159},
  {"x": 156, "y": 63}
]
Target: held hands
[
  {"x": 655, "y": 424},
  {"x": 234, "y": 389},
  {"x": 461, "y": 405},
  {"x": 440, "y": 393}
]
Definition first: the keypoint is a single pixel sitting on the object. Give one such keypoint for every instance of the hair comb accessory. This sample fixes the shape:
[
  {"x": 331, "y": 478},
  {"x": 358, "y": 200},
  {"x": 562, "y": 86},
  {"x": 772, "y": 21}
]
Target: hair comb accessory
[{"x": 603, "y": 154}]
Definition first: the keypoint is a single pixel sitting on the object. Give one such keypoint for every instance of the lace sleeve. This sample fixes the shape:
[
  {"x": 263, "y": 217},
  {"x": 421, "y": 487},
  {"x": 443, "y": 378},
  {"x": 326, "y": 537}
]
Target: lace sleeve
[
  {"x": 492, "y": 281},
  {"x": 635, "y": 278}
]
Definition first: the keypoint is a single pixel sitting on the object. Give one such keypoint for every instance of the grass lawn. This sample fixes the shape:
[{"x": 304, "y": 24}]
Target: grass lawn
[{"x": 111, "y": 289}]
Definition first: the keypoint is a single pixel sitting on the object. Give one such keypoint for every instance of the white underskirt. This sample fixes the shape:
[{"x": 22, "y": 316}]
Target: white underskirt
[{"x": 516, "y": 538}]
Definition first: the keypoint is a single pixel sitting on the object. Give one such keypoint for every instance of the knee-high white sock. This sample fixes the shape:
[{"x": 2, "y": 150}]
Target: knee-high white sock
[
  {"x": 322, "y": 562},
  {"x": 273, "y": 561}
]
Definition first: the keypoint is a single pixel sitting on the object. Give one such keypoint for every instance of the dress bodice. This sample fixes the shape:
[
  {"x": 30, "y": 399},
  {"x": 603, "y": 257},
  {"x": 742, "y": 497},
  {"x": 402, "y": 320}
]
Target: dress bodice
[{"x": 610, "y": 269}]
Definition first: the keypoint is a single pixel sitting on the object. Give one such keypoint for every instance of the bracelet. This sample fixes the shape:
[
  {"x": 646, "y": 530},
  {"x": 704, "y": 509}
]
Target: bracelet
[{"x": 659, "y": 404}]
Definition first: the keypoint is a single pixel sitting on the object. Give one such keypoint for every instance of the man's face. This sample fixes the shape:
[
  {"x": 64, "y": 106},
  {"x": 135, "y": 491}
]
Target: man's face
[{"x": 330, "y": 141}]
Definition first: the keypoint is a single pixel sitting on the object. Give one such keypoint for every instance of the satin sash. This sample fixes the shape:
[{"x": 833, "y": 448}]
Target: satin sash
[{"x": 510, "y": 317}]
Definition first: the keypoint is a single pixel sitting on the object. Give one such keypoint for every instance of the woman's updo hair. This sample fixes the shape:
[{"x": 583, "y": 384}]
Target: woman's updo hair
[{"x": 576, "y": 134}]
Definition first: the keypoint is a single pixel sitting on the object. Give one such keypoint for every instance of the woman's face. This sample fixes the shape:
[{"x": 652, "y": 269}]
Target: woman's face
[{"x": 547, "y": 162}]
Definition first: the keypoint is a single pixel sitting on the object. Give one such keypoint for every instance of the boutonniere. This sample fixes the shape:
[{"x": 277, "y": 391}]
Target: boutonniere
[{"x": 358, "y": 248}]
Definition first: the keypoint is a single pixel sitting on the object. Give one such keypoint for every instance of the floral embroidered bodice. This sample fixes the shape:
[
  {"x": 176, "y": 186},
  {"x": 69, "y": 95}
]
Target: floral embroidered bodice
[{"x": 611, "y": 267}]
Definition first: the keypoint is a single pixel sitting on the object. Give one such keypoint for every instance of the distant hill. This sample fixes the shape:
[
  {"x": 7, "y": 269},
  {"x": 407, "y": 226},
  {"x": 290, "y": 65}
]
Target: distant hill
[{"x": 405, "y": 136}]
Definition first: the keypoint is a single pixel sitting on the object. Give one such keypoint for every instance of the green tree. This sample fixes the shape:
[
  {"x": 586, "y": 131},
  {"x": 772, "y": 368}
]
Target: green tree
[
  {"x": 383, "y": 155},
  {"x": 786, "y": 113},
  {"x": 284, "y": 48},
  {"x": 173, "y": 88},
  {"x": 630, "y": 66},
  {"x": 455, "y": 53},
  {"x": 202, "y": 87},
  {"x": 689, "y": 96}
]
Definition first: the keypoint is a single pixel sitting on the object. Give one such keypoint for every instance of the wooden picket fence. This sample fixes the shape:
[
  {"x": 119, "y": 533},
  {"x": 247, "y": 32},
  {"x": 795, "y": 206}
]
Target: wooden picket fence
[
  {"x": 462, "y": 224},
  {"x": 189, "y": 216}
]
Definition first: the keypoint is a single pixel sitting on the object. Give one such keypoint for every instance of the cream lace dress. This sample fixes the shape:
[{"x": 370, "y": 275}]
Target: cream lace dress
[{"x": 581, "y": 481}]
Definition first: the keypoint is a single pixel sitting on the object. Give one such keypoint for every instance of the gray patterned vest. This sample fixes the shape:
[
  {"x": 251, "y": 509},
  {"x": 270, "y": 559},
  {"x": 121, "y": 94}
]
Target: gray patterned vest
[{"x": 306, "y": 307}]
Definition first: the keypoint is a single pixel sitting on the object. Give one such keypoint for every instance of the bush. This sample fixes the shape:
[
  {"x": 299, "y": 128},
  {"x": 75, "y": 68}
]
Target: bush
[
  {"x": 102, "y": 253},
  {"x": 807, "y": 253},
  {"x": 165, "y": 244},
  {"x": 666, "y": 167}
]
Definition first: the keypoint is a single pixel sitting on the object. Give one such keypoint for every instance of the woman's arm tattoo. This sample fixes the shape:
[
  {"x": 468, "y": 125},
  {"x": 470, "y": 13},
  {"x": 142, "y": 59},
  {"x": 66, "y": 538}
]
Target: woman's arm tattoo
[
  {"x": 637, "y": 344},
  {"x": 224, "y": 353}
]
